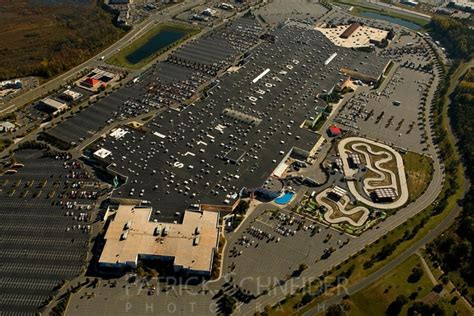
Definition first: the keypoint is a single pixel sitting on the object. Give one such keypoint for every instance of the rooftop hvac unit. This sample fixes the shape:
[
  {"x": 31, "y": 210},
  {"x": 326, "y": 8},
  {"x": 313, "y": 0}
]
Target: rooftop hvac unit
[
  {"x": 157, "y": 231},
  {"x": 124, "y": 235}
]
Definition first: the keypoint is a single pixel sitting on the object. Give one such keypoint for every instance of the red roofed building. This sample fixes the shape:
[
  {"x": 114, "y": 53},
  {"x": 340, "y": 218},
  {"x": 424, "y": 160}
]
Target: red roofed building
[
  {"x": 334, "y": 131},
  {"x": 91, "y": 82},
  {"x": 350, "y": 30}
]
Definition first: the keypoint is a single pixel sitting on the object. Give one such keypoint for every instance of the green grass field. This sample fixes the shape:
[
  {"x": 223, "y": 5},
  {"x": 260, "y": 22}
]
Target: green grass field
[
  {"x": 120, "y": 59},
  {"x": 419, "y": 171},
  {"x": 381, "y": 293}
]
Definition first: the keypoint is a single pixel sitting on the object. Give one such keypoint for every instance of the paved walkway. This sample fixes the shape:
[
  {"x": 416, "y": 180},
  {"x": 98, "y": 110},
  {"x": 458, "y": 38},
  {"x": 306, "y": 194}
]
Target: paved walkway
[{"x": 427, "y": 269}]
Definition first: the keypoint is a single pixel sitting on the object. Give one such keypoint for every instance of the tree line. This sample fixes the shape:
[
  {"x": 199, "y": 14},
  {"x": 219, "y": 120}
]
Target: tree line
[
  {"x": 454, "y": 249},
  {"x": 454, "y": 35}
]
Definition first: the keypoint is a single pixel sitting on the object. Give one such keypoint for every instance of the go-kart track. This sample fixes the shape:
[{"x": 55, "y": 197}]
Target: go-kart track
[
  {"x": 376, "y": 156},
  {"x": 342, "y": 205}
]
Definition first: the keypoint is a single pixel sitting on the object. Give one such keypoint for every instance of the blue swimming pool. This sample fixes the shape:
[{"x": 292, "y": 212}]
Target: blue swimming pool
[{"x": 285, "y": 198}]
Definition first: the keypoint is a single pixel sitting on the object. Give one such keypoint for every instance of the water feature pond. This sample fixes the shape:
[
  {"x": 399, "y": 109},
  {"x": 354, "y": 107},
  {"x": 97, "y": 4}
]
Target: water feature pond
[{"x": 154, "y": 44}]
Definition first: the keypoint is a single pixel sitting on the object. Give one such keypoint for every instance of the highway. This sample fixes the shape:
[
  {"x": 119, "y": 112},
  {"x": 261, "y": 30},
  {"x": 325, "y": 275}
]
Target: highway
[{"x": 56, "y": 82}]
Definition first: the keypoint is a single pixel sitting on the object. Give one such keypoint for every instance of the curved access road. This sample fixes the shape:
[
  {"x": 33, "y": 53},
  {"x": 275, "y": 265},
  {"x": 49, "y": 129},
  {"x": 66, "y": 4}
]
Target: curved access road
[{"x": 365, "y": 282}]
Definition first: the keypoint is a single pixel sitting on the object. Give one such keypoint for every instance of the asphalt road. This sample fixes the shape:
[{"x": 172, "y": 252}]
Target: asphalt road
[
  {"x": 95, "y": 61},
  {"x": 362, "y": 284}
]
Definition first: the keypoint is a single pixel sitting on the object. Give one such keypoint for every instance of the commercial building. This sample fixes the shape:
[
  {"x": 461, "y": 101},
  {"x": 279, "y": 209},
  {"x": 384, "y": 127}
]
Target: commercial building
[
  {"x": 464, "y": 5},
  {"x": 334, "y": 131},
  {"x": 6, "y": 127},
  {"x": 96, "y": 79},
  {"x": 209, "y": 12},
  {"x": 354, "y": 160},
  {"x": 384, "y": 195},
  {"x": 190, "y": 246},
  {"x": 355, "y": 35},
  {"x": 51, "y": 105},
  {"x": 91, "y": 83},
  {"x": 69, "y": 95},
  {"x": 336, "y": 193},
  {"x": 364, "y": 74},
  {"x": 11, "y": 84}
]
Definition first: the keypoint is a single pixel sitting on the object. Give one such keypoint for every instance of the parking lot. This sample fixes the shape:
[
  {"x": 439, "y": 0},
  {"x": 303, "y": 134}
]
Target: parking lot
[
  {"x": 278, "y": 11},
  {"x": 167, "y": 84},
  {"x": 270, "y": 248},
  {"x": 394, "y": 113},
  {"x": 46, "y": 213},
  {"x": 207, "y": 152},
  {"x": 217, "y": 51}
]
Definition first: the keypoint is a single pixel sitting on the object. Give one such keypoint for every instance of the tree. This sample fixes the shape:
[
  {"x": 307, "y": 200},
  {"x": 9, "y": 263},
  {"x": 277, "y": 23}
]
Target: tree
[
  {"x": 416, "y": 274},
  {"x": 306, "y": 299},
  {"x": 396, "y": 306},
  {"x": 335, "y": 310},
  {"x": 302, "y": 267},
  {"x": 141, "y": 272},
  {"x": 423, "y": 309},
  {"x": 228, "y": 304},
  {"x": 153, "y": 273}
]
